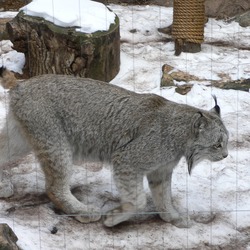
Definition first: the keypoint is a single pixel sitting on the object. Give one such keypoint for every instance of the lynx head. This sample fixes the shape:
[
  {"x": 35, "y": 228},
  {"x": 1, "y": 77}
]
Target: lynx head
[{"x": 209, "y": 137}]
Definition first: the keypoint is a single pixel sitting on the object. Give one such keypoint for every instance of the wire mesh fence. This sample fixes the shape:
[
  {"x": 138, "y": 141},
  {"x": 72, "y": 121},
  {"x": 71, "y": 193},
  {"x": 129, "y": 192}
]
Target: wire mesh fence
[{"x": 215, "y": 197}]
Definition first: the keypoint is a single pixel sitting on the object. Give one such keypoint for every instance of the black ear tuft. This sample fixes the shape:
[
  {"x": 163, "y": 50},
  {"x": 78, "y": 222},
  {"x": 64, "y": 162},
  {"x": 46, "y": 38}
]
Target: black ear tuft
[
  {"x": 190, "y": 166},
  {"x": 216, "y": 107}
]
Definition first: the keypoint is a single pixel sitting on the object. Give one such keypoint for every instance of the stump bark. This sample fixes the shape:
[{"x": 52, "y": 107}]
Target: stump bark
[{"x": 49, "y": 48}]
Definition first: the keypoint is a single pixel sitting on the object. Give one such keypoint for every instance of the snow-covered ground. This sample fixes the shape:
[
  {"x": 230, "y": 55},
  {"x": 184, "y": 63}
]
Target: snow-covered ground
[{"x": 221, "y": 189}]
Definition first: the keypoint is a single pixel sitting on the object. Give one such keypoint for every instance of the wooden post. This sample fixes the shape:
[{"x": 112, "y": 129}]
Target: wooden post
[{"x": 188, "y": 25}]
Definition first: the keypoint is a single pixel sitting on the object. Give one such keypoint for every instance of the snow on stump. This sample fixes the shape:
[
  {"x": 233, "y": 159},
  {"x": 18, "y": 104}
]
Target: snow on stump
[
  {"x": 8, "y": 238},
  {"x": 50, "y": 48}
]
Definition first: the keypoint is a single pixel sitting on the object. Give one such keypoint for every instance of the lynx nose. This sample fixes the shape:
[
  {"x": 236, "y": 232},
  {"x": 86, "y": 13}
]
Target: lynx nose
[{"x": 225, "y": 154}]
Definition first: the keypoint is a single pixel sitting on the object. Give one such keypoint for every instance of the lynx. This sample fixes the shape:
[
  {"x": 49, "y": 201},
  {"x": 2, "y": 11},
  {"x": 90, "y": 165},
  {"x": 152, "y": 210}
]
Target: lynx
[{"x": 65, "y": 118}]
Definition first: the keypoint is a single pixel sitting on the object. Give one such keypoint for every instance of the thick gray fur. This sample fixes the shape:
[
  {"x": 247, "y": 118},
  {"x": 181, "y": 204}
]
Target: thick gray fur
[{"x": 63, "y": 118}]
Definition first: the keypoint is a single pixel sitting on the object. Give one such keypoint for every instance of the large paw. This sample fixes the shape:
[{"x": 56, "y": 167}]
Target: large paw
[
  {"x": 182, "y": 222},
  {"x": 92, "y": 215},
  {"x": 119, "y": 214},
  {"x": 6, "y": 189},
  {"x": 204, "y": 218},
  {"x": 177, "y": 220}
]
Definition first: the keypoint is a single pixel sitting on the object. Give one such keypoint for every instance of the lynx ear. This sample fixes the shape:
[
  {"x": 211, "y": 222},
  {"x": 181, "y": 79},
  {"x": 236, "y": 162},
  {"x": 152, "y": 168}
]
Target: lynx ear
[
  {"x": 190, "y": 167},
  {"x": 216, "y": 108},
  {"x": 200, "y": 122}
]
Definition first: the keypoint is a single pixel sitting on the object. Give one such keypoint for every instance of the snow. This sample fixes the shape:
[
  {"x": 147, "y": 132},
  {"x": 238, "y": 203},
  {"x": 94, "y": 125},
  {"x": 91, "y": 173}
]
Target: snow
[
  {"x": 10, "y": 58},
  {"x": 221, "y": 188},
  {"x": 88, "y": 16}
]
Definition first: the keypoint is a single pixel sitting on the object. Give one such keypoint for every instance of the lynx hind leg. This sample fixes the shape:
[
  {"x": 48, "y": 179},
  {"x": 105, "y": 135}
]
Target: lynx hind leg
[
  {"x": 13, "y": 146},
  {"x": 54, "y": 153},
  {"x": 58, "y": 190},
  {"x": 133, "y": 197},
  {"x": 160, "y": 186}
]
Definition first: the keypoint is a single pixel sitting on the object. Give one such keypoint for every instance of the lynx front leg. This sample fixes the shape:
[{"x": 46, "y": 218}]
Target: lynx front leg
[
  {"x": 160, "y": 186},
  {"x": 133, "y": 198}
]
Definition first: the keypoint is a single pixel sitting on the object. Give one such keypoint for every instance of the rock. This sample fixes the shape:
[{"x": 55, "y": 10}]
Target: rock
[
  {"x": 244, "y": 19},
  {"x": 183, "y": 76},
  {"x": 183, "y": 89},
  {"x": 167, "y": 79},
  {"x": 225, "y": 8},
  {"x": 8, "y": 238},
  {"x": 6, "y": 189},
  {"x": 243, "y": 84},
  {"x": 169, "y": 75}
]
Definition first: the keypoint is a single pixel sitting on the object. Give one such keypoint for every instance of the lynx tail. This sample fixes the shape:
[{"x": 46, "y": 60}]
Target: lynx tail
[{"x": 8, "y": 79}]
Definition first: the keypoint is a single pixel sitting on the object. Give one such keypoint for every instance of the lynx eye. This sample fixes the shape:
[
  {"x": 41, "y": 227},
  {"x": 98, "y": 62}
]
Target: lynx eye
[{"x": 218, "y": 145}]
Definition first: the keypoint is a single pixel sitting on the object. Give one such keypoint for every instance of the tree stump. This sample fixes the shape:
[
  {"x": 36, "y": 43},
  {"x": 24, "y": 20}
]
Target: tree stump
[{"x": 49, "y": 48}]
